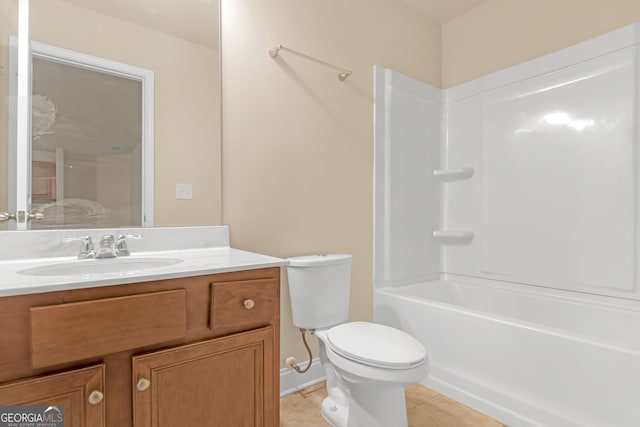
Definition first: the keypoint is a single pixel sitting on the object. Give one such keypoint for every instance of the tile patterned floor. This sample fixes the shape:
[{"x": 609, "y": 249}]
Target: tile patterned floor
[{"x": 425, "y": 408}]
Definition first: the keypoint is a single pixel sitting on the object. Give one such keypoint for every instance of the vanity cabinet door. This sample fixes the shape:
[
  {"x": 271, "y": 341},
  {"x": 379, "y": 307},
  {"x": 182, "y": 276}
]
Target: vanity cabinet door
[
  {"x": 226, "y": 381},
  {"x": 79, "y": 392}
]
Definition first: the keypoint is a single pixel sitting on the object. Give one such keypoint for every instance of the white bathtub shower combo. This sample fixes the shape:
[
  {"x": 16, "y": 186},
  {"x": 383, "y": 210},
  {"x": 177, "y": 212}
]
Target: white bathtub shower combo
[{"x": 506, "y": 233}]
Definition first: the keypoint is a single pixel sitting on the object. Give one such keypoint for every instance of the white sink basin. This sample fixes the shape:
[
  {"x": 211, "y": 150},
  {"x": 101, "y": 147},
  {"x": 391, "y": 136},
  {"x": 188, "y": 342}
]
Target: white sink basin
[{"x": 88, "y": 267}]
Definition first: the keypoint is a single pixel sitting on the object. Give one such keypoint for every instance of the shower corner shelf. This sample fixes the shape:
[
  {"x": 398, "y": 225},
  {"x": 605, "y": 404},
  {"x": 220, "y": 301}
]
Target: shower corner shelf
[
  {"x": 457, "y": 174},
  {"x": 454, "y": 236}
]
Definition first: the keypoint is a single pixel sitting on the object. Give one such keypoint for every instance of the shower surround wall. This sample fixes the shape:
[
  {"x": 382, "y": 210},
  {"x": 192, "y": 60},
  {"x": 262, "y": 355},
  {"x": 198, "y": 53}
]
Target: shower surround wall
[{"x": 506, "y": 232}]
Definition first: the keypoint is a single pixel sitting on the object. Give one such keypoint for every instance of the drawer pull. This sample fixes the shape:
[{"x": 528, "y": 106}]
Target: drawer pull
[
  {"x": 143, "y": 384},
  {"x": 95, "y": 397},
  {"x": 248, "y": 304}
]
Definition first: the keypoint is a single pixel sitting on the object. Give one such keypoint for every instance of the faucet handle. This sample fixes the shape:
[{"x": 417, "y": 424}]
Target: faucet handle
[
  {"x": 121, "y": 243},
  {"x": 86, "y": 249}
]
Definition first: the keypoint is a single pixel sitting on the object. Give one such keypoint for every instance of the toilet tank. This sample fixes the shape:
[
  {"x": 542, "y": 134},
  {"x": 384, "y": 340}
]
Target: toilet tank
[{"x": 319, "y": 288}]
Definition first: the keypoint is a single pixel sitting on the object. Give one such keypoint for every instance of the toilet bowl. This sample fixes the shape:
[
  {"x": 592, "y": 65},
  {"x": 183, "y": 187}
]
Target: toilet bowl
[
  {"x": 367, "y": 364},
  {"x": 372, "y": 376}
]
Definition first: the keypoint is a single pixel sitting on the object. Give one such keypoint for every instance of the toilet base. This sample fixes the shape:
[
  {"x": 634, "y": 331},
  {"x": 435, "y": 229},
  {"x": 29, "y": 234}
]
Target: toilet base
[
  {"x": 368, "y": 407},
  {"x": 337, "y": 415}
]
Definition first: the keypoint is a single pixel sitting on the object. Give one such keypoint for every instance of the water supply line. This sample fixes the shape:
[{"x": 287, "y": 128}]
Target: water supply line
[{"x": 295, "y": 366}]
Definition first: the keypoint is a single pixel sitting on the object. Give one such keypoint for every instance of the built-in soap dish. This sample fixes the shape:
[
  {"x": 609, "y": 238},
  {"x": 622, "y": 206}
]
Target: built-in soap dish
[
  {"x": 454, "y": 237},
  {"x": 457, "y": 174}
]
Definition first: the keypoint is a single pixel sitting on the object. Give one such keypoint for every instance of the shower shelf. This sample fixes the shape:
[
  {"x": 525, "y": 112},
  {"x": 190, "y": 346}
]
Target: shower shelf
[
  {"x": 454, "y": 236},
  {"x": 457, "y": 174}
]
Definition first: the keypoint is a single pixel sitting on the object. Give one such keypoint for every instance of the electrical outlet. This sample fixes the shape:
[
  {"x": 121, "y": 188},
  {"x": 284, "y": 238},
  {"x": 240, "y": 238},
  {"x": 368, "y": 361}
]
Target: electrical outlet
[{"x": 184, "y": 191}]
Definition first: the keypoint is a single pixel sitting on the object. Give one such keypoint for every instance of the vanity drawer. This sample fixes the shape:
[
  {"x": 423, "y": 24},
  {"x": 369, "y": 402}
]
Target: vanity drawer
[
  {"x": 75, "y": 331},
  {"x": 241, "y": 305}
]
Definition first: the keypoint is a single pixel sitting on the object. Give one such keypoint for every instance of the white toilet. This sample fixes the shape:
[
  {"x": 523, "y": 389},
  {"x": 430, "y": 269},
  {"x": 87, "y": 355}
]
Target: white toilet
[{"x": 367, "y": 364}]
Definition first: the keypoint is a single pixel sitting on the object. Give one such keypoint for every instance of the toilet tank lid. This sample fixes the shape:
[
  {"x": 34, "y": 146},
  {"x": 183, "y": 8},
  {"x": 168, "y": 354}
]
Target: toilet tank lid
[{"x": 319, "y": 260}]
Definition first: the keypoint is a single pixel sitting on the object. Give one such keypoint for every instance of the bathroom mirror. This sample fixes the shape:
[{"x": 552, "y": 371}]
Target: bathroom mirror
[{"x": 88, "y": 134}]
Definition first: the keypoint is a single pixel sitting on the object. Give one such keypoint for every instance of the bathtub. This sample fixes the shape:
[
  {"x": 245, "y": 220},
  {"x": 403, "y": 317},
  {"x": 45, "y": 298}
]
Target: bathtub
[{"x": 525, "y": 355}]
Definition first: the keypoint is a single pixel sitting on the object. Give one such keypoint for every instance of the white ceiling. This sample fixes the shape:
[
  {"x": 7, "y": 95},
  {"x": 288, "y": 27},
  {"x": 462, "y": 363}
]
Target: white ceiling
[{"x": 197, "y": 20}]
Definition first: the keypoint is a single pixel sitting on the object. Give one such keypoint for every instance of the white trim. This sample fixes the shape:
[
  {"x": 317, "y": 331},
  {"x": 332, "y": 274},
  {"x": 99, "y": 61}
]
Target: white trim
[
  {"x": 18, "y": 159},
  {"x": 12, "y": 156},
  {"x": 148, "y": 150},
  {"x": 127, "y": 71},
  {"x": 23, "y": 116},
  {"x": 291, "y": 381}
]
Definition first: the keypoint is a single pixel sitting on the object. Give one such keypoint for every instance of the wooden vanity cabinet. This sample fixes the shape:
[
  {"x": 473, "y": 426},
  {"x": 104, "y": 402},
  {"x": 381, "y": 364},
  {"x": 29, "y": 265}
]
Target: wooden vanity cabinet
[
  {"x": 80, "y": 392},
  {"x": 219, "y": 382},
  {"x": 199, "y": 351}
]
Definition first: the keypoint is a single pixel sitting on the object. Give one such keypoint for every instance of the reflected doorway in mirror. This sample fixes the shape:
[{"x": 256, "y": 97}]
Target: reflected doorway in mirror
[{"x": 91, "y": 143}]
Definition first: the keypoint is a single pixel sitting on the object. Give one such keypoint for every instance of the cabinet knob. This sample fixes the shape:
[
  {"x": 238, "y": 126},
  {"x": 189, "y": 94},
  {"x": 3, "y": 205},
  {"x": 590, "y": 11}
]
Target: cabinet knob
[
  {"x": 95, "y": 397},
  {"x": 248, "y": 304},
  {"x": 143, "y": 384}
]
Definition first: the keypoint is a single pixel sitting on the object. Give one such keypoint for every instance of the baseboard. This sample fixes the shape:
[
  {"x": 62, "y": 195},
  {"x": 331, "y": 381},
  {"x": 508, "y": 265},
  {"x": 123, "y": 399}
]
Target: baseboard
[{"x": 291, "y": 381}]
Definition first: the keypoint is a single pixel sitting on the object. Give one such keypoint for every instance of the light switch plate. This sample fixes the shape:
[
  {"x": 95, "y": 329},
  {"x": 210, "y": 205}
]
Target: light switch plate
[{"x": 184, "y": 191}]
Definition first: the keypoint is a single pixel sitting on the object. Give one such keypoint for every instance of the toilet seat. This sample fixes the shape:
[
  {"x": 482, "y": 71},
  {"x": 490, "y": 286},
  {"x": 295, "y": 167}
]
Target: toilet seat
[{"x": 376, "y": 345}]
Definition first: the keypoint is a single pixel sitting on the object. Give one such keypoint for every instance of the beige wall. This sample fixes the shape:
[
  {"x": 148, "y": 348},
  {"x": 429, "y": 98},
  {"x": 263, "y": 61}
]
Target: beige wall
[
  {"x": 501, "y": 33},
  {"x": 80, "y": 176},
  {"x": 187, "y": 108},
  {"x": 114, "y": 172},
  {"x": 298, "y": 143}
]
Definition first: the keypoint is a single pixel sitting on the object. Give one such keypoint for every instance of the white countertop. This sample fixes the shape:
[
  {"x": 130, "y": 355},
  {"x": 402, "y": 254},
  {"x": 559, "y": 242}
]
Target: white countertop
[
  {"x": 200, "y": 250},
  {"x": 195, "y": 262}
]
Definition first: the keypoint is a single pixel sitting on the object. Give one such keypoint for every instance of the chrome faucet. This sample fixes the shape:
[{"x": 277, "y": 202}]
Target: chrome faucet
[
  {"x": 86, "y": 249},
  {"x": 107, "y": 247},
  {"x": 121, "y": 243}
]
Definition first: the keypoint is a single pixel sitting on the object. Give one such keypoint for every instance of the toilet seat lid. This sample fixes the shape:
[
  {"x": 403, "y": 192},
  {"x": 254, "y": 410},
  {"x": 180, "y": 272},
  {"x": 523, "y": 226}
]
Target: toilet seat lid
[{"x": 376, "y": 345}]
